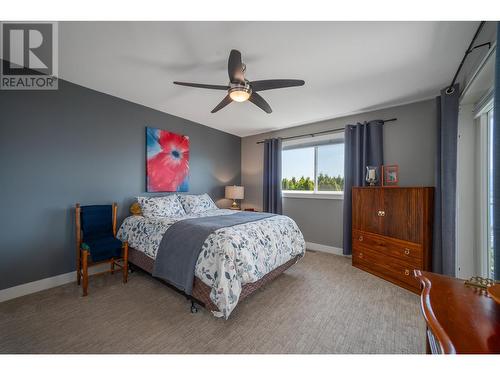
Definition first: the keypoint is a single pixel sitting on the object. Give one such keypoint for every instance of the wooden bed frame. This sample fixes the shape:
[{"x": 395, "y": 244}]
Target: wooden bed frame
[{"x": 201, "y": 291}]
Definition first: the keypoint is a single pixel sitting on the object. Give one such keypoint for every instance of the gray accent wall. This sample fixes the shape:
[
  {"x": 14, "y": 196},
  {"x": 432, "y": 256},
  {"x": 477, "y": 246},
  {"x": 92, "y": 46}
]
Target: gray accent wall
[
  {"x": 78, "y": 145},
  {"x": 409, "y": 142}
]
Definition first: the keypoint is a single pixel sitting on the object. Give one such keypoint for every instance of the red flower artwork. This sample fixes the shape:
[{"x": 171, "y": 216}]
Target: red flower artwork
[{"x": 167, "y": 161}]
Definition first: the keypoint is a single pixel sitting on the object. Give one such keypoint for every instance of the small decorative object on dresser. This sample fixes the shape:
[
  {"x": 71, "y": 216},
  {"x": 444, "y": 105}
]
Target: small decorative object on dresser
[
  {"x": 235, "y": 192},
  {"x": 480, "y": 282},
  {"x": 390, "y": 175},
  {"x": 392, "y": 232},
  {"x": 371, "y": 175}
]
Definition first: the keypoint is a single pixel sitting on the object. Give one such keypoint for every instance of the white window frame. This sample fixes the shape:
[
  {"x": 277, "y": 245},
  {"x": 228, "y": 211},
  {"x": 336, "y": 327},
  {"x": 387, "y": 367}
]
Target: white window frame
[
  {"x": 314, "y": 194},
  {"x": 482, "y": 117}
]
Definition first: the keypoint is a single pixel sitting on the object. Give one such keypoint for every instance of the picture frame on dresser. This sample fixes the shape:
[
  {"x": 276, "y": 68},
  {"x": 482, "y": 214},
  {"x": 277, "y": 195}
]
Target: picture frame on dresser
[{"x": 390, "y": 175}]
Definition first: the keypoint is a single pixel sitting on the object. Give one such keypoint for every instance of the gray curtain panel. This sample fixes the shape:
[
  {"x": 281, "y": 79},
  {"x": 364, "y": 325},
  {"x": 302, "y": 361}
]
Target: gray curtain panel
[
  {"x": 272, "y": 176},
  {"x": 444, "y": 249},
  {"x": 496, "y": 164},
  {"x": 364, "y": 146}
]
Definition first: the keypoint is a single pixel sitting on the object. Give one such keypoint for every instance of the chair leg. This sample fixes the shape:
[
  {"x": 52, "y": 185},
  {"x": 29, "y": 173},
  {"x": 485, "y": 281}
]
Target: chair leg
[
  {"x": 125, "y": 261},
  {"x": 85, "y": 266},
  {"x": 112, "y": 266},
  {"x": 78, "y": 270}
]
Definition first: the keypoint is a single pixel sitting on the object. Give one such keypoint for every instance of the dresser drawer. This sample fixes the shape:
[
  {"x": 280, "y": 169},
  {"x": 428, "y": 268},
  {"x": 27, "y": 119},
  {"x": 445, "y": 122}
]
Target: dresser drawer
[
  {"x": 393, "y": 269},
  {"x": 407, "y": 251}
]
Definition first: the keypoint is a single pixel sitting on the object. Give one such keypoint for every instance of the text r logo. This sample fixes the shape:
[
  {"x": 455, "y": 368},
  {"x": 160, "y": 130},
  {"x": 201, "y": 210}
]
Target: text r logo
[{"x": 29, "y": 56}]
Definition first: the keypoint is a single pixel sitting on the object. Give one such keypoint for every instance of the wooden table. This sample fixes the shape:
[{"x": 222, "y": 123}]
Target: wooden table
[{"x": 460, "y": 319}]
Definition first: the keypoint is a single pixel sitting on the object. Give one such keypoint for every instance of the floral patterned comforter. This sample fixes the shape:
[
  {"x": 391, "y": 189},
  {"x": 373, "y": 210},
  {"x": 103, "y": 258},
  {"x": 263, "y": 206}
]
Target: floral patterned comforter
[{"x": 230, "y": 257}]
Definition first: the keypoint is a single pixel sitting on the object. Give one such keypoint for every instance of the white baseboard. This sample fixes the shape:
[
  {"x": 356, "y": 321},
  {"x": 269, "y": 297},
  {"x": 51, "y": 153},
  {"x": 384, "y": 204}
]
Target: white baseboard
[
  {"x": 50, "y": 282},
  {"x": 324, "y": 248}
]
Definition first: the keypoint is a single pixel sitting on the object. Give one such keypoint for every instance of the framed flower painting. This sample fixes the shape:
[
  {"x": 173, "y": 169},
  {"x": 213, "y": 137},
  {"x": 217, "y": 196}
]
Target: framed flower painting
[{"x": 167, "y": 161}]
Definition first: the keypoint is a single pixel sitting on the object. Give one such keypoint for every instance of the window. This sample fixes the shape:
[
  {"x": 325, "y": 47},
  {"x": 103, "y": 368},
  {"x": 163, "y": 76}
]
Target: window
[
  {"x": 313, "y": 167},
  {"x": 485, "y": 189},
  {"x": 490, "y": 230}
]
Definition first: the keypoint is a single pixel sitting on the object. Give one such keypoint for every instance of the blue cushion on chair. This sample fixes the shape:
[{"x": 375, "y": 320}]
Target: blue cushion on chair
[
  {"x": 104, "y": 248},
  {"x": 97, "y": 221}
]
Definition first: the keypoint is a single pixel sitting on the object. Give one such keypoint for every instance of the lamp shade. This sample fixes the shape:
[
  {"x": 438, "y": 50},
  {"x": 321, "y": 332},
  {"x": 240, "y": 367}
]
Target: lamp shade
[{"x": 235, "y": 192}]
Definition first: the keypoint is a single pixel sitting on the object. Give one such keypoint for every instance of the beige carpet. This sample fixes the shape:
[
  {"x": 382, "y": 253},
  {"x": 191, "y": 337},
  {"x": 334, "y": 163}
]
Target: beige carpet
[{"x": 321, "y": 305}]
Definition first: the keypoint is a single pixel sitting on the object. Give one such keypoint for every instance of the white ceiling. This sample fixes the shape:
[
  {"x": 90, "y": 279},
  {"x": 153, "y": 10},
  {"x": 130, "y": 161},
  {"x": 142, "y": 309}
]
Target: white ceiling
[{"x": 348, "y": 67}]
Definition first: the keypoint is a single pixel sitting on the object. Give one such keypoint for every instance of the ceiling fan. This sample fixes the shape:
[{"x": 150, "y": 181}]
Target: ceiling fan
[{"x": 240, "y": 89}]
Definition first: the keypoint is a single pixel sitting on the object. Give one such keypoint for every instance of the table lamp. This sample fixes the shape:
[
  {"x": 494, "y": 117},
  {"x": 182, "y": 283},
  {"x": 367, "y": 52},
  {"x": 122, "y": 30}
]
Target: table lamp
[{"x": 235, "y": 192}]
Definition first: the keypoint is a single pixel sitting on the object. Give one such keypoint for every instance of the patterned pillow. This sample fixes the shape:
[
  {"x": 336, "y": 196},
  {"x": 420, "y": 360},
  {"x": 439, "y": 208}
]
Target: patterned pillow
[
  {"x": 194, "y": 204},
  {"x": 168, "y": 205}
]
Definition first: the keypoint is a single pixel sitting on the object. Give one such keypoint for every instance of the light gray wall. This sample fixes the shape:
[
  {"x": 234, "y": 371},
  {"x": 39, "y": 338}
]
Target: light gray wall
[
  {"x": 409, "y": 142},
  {"x": 78, "y": 145}
]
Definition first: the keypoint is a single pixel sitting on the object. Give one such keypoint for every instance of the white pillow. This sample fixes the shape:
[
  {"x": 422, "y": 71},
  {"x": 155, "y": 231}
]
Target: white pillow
[
  {"x": 194, "y": 204},
  {"x": 166, "y": 206}
]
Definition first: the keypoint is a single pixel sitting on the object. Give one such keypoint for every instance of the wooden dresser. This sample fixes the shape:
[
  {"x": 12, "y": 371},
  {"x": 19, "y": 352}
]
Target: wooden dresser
[
  {"x": 460, "y": 319},
  {"x": 392, "y": 232}
]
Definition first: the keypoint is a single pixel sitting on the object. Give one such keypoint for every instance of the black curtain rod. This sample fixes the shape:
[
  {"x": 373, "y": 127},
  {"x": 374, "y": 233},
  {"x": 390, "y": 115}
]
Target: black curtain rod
[
  {"x": 450, "y": 88},
  {"x": 322, "y": 132}
]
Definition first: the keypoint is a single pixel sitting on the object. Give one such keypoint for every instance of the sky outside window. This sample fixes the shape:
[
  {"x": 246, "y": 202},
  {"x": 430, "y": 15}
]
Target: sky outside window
[
  {"x": 331, "y": 160},
  {"x": 298, "y": 163}
]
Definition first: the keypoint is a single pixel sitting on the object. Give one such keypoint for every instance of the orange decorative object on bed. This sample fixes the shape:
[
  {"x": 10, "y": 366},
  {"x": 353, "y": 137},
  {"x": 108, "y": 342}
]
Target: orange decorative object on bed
[{"x": 167, "y": 165}]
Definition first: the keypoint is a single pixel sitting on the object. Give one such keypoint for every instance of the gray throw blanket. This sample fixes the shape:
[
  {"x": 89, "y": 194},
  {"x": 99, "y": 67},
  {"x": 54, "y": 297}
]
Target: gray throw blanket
[{"x": 182, "y": 242}]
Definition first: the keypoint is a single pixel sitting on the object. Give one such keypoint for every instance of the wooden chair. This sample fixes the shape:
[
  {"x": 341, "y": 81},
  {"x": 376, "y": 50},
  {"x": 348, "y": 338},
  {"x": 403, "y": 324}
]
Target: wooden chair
[{"x": 96, "y": 242}]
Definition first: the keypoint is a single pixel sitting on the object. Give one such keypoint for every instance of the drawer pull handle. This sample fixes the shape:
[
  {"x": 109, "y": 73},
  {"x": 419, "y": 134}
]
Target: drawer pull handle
[
  {"x": 361, "y": 255},
  {"x": 360, "y": 238},
  {"x": 407, "y": 272},
  {"x": 381, "y": 213},
  {"x": 407, "y": 251}
]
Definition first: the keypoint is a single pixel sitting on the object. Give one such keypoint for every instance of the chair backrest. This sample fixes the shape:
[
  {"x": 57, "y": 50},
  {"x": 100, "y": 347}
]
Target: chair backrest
[{"x": 96, "y": 221}]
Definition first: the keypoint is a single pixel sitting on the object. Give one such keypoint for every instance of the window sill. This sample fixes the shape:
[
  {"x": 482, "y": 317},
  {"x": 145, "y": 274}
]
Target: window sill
[{"x": 312, "y": 195}]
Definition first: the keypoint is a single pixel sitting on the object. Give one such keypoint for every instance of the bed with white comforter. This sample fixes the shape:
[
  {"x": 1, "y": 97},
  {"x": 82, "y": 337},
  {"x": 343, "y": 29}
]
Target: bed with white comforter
[{"x": 230, "y": 257}]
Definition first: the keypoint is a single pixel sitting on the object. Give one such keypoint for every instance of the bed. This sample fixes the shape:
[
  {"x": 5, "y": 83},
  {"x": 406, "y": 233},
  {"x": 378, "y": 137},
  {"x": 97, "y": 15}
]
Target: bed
[{"x": 233, "y": 261}]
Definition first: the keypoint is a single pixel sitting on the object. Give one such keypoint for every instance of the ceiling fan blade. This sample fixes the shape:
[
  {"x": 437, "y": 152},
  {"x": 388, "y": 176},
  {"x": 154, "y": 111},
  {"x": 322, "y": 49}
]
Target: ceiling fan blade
[
  {"x": 260, "y": 102},
  {"x": 202, "y": 85},
  {"x": 235, "y": 67},
  {"x": 222, "y": 104},
  {"x": 270, "y": 84}
]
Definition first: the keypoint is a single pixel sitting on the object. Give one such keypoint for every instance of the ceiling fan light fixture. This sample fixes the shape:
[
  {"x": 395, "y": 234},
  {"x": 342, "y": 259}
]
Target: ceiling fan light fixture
[{"x": 240, "y": 94}]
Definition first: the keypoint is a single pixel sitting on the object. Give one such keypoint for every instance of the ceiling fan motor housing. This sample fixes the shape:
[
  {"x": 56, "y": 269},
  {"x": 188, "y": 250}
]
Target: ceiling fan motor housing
[{"x": 240, "y": 92}]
